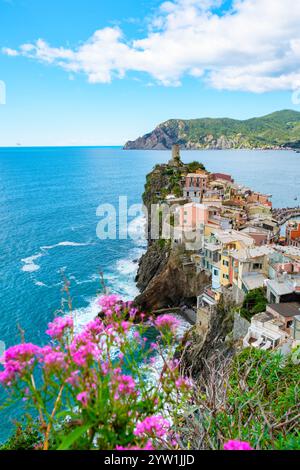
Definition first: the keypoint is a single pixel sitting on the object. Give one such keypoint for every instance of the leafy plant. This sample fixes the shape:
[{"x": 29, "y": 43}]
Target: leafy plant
[{"x": 255, "y": 302}]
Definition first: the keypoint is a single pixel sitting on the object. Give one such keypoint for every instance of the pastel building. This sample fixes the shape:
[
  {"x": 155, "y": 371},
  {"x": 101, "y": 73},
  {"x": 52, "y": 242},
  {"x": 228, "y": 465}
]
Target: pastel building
[
  {"x": 195, "y": 185},
  {"x": 249, "y": 270},
  {"x": 192, "y": 215}
]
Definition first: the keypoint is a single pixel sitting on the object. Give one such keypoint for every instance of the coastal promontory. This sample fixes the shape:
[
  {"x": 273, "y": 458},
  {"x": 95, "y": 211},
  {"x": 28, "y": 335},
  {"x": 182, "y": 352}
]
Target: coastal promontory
[{"x": 279, "y": 130}]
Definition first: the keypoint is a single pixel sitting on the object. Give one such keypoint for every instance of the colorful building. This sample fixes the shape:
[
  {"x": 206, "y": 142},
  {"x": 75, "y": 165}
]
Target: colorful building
[
  {"x": 293, "y": 233},
  {"x": 195, "y": 185}
]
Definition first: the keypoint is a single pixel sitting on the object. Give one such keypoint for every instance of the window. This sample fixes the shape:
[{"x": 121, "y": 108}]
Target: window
[
  {"x": 225, "y": 276},
  {"x": 225, "y": 263},
  {"x": 216, "y": 272},
  {"x": 257, "y": 266},
  {"x": 187, "y": 193}
]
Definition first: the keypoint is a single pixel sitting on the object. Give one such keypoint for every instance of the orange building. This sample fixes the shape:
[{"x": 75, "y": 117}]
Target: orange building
[{"x": 293, "y": 233}]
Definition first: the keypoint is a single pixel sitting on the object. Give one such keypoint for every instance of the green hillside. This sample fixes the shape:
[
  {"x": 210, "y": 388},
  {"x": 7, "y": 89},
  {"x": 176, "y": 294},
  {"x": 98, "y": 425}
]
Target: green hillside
[{"x": 279, "y": 129}]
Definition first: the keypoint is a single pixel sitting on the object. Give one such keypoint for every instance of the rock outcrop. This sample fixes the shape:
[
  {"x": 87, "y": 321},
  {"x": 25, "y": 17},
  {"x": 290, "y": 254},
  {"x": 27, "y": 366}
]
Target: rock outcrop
[{"x": 165, "y": 281}]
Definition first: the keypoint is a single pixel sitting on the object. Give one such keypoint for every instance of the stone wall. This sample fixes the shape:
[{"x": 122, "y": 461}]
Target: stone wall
[{"x": 240, "y": 327}]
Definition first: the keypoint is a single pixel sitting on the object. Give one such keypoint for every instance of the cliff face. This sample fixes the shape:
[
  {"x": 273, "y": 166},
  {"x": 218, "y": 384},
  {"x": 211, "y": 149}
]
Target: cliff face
[
  {"x": 277, "y": 130},
  {"x": 207, "y": 343},
  {"x": 165, "y": 281}
]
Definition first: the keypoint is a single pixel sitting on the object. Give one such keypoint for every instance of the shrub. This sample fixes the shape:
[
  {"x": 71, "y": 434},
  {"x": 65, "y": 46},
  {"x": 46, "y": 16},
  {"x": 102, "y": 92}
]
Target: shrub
[
  {"x": 254, "y": 302},
  {"x": 255, "y": 399},
  {"x": 194, "y": 166}
]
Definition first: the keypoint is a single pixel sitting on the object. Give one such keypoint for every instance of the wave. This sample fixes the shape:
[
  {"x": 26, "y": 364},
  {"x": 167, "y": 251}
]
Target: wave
[
  {"x": 67, "y": 243},
  {"x": 137, "y": 230},
  {"x": 29, "y": 263},
  {"x": 40, "y": 284}
]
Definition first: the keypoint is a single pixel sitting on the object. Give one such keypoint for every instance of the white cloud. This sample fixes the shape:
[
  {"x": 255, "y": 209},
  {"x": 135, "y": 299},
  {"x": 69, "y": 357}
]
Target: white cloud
[
  {"x": 253, "y": 47},
  {"x": 10, "y": 52}
]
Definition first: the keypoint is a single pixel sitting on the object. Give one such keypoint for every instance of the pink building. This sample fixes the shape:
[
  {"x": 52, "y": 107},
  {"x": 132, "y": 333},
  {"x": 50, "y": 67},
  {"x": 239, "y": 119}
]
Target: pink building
[
  {"x": 192, "y": 215},
  {"x": 195, "y": 186}
]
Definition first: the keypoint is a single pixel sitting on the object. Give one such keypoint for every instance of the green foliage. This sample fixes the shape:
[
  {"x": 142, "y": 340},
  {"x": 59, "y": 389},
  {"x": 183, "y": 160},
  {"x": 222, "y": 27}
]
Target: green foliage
[
  {"x": 263, "y": 400},
  {"x": 194, "y": 166},
  {"x": 255, "y": 399},
  {"x": 254, "y": 302},
  {"x": 23, "y": 438},
  {"x": 277, "y": 129}
]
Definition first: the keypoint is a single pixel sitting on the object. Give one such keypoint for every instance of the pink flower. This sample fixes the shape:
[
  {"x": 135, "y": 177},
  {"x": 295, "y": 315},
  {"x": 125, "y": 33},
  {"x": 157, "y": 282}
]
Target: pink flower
[
  {"x": 53, "y": 359},
  {"x": 156, "y": 426},
  {"x": 237, "y": 445},
  {"x": 147, "y": 446},
  {"x": 108, "y": 303},
  {"x": 167, "y": 322},
  {"x": 73, "y": 379},
  {"x": 183, "y": 383},
  {"x": 83, "y": 398},
  {"x": 125, "y": 384},
  {"x": 17, "y": 360},
  {"x": 57, "y": 328}
]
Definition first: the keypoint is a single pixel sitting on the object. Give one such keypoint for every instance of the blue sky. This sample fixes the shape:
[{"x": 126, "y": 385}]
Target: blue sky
[{"x": 105, "y": 72}]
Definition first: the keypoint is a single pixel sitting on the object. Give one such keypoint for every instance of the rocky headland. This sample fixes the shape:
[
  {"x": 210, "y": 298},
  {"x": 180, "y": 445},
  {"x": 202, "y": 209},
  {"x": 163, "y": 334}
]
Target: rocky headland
[{"x": 279, "y": 130}]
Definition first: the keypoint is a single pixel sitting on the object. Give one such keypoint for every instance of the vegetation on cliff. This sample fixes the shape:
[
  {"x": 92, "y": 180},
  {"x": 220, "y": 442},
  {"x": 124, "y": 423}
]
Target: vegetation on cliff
[
  {"x": 256, "y": 397},
  {"x": 279, "y": 129}
]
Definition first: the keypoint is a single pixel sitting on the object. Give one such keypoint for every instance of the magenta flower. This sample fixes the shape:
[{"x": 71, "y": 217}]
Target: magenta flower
[
  {"x": 237, "y": 445},
  {"x": 83, "y": 398},
  {"x": 57, "y": 328},
  {"x": 148, "y": 446},
  {"x": 73, "y": 379},
  {"x": 155, "y": 426},
  {"x": 53, "y": 359},
  {"x": 184, "y": 383},
  {"x": 125, "y": 384},
  {"x": 17, "y": 360},
  {"x": 167, "y": 322}
]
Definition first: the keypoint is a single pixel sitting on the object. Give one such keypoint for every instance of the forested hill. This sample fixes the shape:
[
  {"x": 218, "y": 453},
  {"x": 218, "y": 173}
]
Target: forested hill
[{"x": 277, "y": 130}]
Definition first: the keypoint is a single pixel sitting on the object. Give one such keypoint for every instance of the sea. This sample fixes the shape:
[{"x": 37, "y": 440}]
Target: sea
[{"x": 49, "y": 214}]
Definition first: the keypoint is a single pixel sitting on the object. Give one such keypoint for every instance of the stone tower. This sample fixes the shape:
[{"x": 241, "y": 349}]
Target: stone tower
[{"x": 175, "y": 161}]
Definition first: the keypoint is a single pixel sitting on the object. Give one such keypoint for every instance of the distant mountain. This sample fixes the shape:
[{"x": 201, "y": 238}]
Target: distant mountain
[{"x": 277, "y": 130}]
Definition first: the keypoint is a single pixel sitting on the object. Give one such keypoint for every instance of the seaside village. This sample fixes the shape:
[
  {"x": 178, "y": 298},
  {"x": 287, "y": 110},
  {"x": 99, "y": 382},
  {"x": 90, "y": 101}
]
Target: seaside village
[{"x": 239, "y": 244}]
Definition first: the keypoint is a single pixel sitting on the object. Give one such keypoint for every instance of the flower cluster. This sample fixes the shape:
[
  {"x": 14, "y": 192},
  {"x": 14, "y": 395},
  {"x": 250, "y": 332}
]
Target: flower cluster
[
  {"x": 153, "y": 426},
  {"x": 167, "y": 322},
  {"x": 237, "y": 445},
  {"x": 57, "y": 328}
]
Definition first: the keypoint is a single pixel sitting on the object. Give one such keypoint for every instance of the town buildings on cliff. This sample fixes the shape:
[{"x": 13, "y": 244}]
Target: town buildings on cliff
[{"x": 237, "y": 243}]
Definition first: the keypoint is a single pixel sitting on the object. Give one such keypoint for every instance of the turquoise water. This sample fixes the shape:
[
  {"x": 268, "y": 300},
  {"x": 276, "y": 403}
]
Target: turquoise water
[{"x": 48, "y": 202}]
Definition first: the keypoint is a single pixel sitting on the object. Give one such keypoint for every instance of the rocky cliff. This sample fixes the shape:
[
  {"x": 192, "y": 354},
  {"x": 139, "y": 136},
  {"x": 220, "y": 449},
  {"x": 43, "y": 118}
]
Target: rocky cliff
[
  {"x": 164, "y": 278},
  {"x": 276, "y": 130}
]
